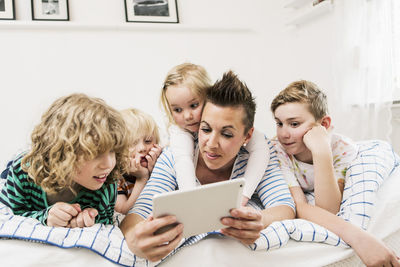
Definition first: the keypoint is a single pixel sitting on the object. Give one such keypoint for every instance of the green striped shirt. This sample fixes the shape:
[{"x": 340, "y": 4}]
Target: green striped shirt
[{"x": 28, "y": 199}]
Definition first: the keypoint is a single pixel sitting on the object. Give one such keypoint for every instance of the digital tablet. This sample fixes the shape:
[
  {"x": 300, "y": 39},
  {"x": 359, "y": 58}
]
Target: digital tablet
[{"x": 200, "y": 209}]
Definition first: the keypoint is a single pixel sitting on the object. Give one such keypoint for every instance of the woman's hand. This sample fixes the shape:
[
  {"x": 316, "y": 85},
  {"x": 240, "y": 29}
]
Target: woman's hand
[
  {"x": 86, "y": 218},
  {"x": 143, "y": 241},
  {"x": 61, "y": 213},
  {"x": 245, "y": 225}
]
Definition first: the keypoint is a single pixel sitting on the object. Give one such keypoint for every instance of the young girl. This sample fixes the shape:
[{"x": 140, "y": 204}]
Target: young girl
[
  {"x": 315, "y": 161},
  {"x": 143, "y": 153},
  {"x": 68, "y": 178},
  {"x": 182, "y": 98}
]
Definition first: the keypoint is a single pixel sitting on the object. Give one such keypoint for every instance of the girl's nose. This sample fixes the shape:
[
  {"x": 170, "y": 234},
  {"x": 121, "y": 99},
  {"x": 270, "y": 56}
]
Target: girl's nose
[
  {"x": 141, "y": 147},
  {"x": 188, "y": 115}
]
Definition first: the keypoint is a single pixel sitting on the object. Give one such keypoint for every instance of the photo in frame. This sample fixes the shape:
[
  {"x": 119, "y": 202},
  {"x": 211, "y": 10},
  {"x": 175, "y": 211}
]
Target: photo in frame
[
  {"x": 50, "y": 10},
  {"x": 151, "y": 11},
  {"x": 7, "y": 9}
]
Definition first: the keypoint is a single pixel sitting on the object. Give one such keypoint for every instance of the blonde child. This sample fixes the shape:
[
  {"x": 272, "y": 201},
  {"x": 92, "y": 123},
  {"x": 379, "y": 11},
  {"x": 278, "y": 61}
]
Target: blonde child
[
  {"x": 143, "y": 153},
  {"x": 182, "y": 98},
  {"x": 68, "y": 178},
  {"x": 315, "y": 161}
]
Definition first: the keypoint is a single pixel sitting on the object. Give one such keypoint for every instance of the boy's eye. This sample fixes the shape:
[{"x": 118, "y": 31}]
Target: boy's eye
[
  {"x": 177, "y": 110},
  {"x": 279, "y": 124},
  {"x": 294, "y": 124}
]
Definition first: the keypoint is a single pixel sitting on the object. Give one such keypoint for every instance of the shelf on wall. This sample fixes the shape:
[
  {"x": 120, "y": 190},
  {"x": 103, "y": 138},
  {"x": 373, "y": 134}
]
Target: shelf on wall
[
  {"x": 145, "y": 27},
  {"x": 311, "y": 13}
]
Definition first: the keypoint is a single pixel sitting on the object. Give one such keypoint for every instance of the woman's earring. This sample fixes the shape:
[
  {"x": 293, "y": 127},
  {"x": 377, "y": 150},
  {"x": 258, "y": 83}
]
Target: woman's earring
[{"x": 244, "y": 144}]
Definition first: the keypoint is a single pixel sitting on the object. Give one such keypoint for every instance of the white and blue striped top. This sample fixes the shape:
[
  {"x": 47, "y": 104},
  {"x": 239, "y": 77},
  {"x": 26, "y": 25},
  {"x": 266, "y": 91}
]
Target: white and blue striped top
[{"x": 271, "y": 191}]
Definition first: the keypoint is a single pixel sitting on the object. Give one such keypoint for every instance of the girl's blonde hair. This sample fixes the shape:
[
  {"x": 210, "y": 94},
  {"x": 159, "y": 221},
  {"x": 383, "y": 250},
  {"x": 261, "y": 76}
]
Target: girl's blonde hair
[
  {"x": 193, "y": 76},
  {"x": 74, "y": 128},
  {"x": 140, "y": 124}
]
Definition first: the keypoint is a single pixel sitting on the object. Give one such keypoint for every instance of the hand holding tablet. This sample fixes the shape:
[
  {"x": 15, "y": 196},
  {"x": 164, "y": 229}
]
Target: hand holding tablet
[{"x": 200, "y": 209}]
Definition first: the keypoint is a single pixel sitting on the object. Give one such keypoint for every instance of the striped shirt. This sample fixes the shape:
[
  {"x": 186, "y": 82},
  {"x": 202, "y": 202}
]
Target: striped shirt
[
  {"x": 27, "y": 199},
  {"x": 271, "y": 191}
]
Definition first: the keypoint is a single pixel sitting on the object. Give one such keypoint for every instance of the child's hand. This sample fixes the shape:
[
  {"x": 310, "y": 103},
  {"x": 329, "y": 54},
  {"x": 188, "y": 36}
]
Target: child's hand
[
  {"x": 86, "y": 218},
  {"x": 61, "y": 213},
  {"x": 136, "y": 169},
  {"x": 374, "y": 252},
  {"x": 153, "y": 156},
  {"x": 317, "y": 138}
]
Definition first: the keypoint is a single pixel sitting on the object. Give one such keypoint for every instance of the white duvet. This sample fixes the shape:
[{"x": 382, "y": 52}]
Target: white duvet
[{"x": 214, "y": 250}]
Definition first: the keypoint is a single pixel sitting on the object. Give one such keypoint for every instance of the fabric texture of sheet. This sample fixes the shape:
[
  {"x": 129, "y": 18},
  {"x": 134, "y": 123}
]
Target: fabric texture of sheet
[{"x": 109, "y": 242}]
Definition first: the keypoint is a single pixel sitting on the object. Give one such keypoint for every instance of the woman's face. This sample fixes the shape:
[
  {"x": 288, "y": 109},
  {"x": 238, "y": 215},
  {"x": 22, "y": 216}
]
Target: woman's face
[{"x": 221, "y": 135}]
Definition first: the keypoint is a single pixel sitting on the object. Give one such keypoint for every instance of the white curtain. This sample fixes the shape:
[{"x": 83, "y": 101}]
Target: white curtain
[{"x": 364, "y": 68}]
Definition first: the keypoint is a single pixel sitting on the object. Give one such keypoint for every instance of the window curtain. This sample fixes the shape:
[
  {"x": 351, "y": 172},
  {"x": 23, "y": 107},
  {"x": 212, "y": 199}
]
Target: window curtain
[{"x": 365, "y": 68}]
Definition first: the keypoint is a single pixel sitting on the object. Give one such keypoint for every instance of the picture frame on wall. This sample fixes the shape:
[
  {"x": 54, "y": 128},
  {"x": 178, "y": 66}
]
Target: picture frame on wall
[
  {"x": 151, "y": 11},
  {"x": 7, "y": 9},
  {"x": 50, "y": 10}
]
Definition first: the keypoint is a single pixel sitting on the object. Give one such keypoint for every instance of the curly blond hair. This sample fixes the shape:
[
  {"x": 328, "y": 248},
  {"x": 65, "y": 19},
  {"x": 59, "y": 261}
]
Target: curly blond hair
[
  {"x": 140, "y": 124},
  {"x": 193, "y": 76},
  {"x": 75, "y": 128}
]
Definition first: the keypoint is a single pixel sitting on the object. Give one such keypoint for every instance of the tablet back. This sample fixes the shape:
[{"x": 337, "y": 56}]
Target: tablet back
[{"x": 200, "y": 209}]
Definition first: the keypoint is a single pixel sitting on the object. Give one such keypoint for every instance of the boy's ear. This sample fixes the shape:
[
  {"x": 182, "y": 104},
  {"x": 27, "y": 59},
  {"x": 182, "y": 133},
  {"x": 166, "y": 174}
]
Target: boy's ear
[{"x": 326, "y": 122}]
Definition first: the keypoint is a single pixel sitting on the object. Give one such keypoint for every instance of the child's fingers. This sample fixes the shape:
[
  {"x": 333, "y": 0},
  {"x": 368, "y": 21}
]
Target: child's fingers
[
  {"x": 69, "y": 208},
  {"x": 79, "y": 220},
  {"x": 77, "y": 207},
  {"x": 87, "y": 219},
  {"x": 63, "y": 211},
  {"x": 73, "y": 223},
  {"x": 93, "y": 212},
  {"x": 158, "y": 150},
  {"x": 55, "y": 221}
]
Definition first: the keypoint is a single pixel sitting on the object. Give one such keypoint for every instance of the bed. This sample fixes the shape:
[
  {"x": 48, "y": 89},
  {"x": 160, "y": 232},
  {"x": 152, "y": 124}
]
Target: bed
[{"x": 104, "y": 245}]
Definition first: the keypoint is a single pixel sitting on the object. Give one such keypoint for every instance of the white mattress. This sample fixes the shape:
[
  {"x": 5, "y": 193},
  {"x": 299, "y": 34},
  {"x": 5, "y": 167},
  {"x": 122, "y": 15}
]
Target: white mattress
[{"x": 222, "y": 251}]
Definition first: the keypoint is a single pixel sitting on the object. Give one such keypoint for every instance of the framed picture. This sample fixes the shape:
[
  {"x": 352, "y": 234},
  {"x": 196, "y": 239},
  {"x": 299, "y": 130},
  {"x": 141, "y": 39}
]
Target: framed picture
[
  {"x": 50, "y": 10},
  {"x": 7, "y": 9},
  {"x": 158, "y": 11}
]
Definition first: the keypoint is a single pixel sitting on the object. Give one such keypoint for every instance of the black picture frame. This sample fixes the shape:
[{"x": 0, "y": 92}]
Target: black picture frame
[
  {"x": 151, "y": 11},
  {"x": 54, "y": 10},
  {"x": 7, "y": 10}
]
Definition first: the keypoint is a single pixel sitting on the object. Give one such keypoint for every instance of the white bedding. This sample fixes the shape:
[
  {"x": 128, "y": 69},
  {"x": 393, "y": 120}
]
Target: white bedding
[
  {"x": 212, "y": 251},
  {"x": 221, "y": 251}
]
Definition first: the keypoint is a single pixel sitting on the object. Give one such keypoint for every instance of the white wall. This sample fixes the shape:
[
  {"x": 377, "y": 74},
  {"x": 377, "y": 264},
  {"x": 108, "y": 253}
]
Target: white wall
[{"x": 98, "y": 53}]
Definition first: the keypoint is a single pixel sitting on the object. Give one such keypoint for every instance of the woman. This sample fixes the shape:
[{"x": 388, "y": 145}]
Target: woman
[{"x": 226, "y": 125}]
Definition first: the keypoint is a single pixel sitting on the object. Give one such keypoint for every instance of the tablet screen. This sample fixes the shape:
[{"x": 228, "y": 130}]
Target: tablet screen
[{"x": 200, "y": 209}]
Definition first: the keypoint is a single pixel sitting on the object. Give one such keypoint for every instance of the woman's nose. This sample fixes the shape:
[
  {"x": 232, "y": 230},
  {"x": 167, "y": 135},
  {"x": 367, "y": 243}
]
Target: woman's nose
[{"x": 212, "y": 141}]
